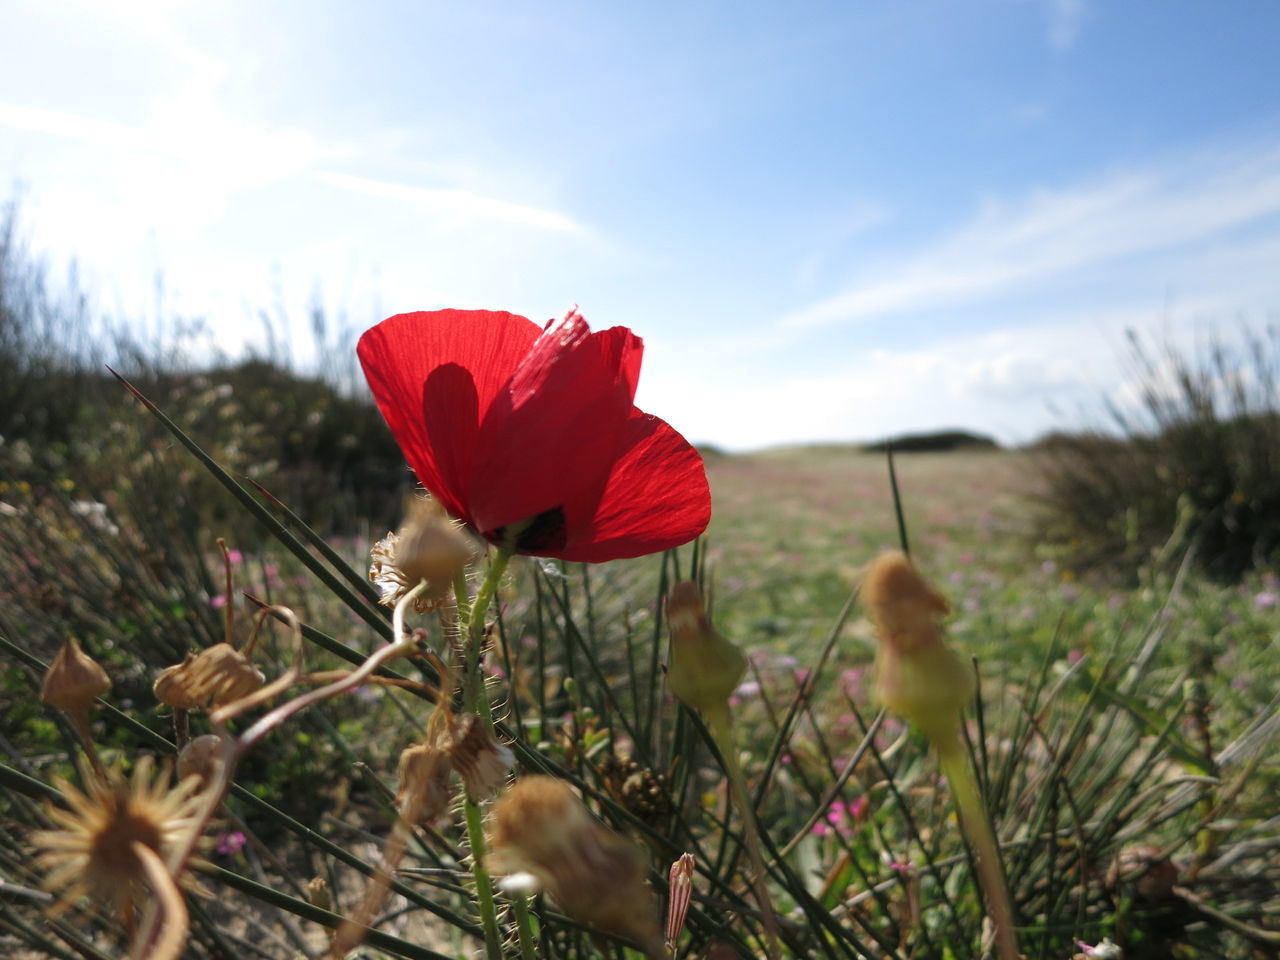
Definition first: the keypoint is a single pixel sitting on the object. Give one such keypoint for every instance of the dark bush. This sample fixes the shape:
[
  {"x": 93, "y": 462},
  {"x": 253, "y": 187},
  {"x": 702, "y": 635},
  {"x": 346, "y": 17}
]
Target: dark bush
[
  {"x": 1199, "y": 453},
  {"x": 938, "y": 441}
]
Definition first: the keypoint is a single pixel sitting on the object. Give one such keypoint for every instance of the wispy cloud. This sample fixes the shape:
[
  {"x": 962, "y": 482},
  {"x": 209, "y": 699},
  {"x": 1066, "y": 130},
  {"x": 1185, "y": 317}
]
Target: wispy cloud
[
  {"x": 1052, "y": 233},
  {"x": 1065, "y": 20},
  {"x": 69, "y": 126},
  {"x": 461, "y": 203}
]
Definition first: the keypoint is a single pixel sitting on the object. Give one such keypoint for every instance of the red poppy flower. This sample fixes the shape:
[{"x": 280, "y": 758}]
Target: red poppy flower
[{"x": 506, "y": 423}]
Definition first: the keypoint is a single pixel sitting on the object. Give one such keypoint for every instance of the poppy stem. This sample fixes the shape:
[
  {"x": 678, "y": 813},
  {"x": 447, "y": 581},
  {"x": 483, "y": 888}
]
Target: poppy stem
[{"x": 475, "y": 701}]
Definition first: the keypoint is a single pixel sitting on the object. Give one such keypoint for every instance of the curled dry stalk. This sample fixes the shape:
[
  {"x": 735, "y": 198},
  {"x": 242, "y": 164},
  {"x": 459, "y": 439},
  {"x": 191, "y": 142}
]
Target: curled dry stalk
[{"x": 234, "y": 749}]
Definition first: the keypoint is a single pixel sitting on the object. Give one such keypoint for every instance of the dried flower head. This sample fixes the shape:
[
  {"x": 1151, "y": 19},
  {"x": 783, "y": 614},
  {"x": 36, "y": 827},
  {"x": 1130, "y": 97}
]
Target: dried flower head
[
  {"x": 424, "y": 791},
  {"x": 705, "y": 667},
  {"x": 174, "y": 686},
  {"x": 428, "y": 546},
  {"x": 541, "y": 829},
  {"x": 481, "y": 759},
  {"x": 201, "y": 758},
  {"x": 74, "y": 680},
  {"x": 216, "y": 676},
  {"x": 917, "y": 675},
  {"x": 92, "y": 853}
]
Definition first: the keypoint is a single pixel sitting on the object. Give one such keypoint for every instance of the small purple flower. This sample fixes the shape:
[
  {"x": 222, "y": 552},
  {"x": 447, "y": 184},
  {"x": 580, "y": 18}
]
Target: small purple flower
[
  {"x": 748, "y": 688},
  {"x": 235, "y": 557},
  {"x": 218, "y": 601},
  {"x": 229, "y": 844},
  {"x": 1266, "y": 600}
]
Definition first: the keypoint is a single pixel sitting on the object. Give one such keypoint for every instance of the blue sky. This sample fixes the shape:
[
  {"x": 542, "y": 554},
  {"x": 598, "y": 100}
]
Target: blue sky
[{"x": 828, "y": 221}]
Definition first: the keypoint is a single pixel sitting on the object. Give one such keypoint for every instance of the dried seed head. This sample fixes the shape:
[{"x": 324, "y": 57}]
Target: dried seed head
[
  {"x": 479, "y": 757},
  {"x": 218, "y": 675},
  {"x": 705, "y": 667},
  {"x": 74, "y": 680},
  {"x": 92, "y": 851},
  {"x": 428, "y": 546},
  {"x": 542, "y": 829},
  {"x": 201, "y": 758},
  {"x": 917, "y": 675},
  {"x": 905, "y": 607},
  {"x": 424, "y": 783},
  {"x": 175, "y": 686}
]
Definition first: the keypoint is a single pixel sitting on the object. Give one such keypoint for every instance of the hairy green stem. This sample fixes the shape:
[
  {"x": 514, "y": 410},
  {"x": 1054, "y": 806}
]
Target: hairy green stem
[
  {"x": 525, "y": 935},
  {"x": 475, "y": 701},
  {"x": 484, "y": 885}
]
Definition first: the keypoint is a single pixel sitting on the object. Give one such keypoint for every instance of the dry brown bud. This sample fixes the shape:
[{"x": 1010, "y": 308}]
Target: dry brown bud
[
  {"x": 905, "y": 607},
  {"x": 479, "y": 757},
  {"x": 424, "y": 783},
  {"x": 679, "y": 894},
  {"x": 318, "y": 893},
  {"x": 917, "y": 675},
  {"x": 202, "y": 758},
  {"x": 428, "y": 546},
  {"x": 542, "y": 829},
  {"x": 74, "y": 680}
]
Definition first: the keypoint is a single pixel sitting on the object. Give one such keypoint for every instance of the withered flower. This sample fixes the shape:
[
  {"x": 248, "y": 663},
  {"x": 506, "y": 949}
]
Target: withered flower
[
  {"x": 424, "y": 789},
  {"x": 428, "y": 546},
  {"x": 918, "y": 676},
  {"x": 216, "y": 676},
  {"x": 481, "y": 759},
  {"x": 92, "y": 851},
  {"x": 541, "y": 829}
]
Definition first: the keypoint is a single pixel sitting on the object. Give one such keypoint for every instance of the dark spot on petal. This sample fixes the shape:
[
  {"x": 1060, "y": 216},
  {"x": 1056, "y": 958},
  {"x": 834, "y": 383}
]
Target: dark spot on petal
[{"x": 547, "y": 531}]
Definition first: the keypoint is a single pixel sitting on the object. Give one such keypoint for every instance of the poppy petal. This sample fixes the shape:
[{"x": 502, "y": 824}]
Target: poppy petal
[
  {"x": 434, "y": 376},
  {"x": 656, "y": 497},
  {"x": 550, "y": 441}
]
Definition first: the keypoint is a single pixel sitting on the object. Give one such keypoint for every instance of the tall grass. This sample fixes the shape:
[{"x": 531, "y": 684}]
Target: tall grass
[{"x": 1196, "y": 452}]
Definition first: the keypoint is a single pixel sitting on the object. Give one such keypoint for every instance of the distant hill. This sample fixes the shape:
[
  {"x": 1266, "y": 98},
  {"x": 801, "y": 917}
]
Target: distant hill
[{"x": 941, "y": 441}]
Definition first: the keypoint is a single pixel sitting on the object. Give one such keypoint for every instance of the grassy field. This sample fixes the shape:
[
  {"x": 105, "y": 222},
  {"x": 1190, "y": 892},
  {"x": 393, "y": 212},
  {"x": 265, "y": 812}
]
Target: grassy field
[{"x": 1119, "y": 722}]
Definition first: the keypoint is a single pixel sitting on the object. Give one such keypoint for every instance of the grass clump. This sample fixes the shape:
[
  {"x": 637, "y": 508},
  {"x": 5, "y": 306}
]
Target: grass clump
[{"x": 1197, "y": 454}]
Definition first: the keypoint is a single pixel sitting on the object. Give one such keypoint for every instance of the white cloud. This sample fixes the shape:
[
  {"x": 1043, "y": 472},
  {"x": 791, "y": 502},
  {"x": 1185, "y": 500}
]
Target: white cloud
[
  {"x": 460, "y": 203},
  {"x": 1011, "y": 246}
]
